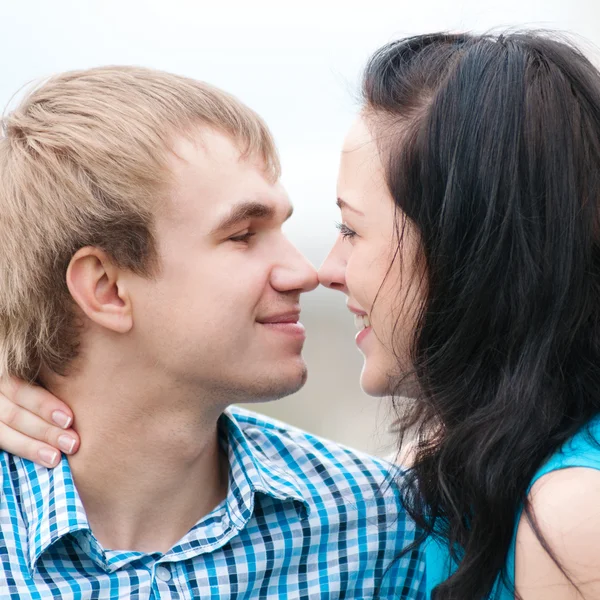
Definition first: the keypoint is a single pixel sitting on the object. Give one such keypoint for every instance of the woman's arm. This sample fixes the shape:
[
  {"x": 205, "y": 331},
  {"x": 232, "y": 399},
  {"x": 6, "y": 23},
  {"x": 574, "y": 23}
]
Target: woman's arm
[{"x": 34, "y": 424}]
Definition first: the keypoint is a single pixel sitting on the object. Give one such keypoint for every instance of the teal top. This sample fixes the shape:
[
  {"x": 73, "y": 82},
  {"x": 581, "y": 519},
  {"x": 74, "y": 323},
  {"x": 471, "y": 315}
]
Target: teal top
[{"x": 579, "y": 451}]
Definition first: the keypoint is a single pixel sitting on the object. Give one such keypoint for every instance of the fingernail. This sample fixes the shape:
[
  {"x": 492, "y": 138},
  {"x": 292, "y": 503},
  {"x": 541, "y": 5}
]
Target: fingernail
[
  {"x": 66, "y": 443},
  {"x": 48, "y": 457},
  {"x": 61, "y": 419}
]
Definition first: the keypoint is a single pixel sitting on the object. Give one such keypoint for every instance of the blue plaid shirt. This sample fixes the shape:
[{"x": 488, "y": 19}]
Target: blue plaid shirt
[{"x": 303, "y": 518}]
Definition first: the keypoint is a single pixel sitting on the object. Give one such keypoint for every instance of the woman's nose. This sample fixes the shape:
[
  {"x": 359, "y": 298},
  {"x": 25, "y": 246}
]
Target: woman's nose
[{"x": 332, "y": 273}]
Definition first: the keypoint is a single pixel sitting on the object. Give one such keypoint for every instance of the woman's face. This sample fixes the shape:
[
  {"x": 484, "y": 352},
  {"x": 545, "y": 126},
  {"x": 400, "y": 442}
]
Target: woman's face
[{"x": 369, "y": 265}]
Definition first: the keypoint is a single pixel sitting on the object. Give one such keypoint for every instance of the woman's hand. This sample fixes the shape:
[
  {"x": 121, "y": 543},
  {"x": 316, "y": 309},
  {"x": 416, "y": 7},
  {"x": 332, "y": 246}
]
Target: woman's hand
[{"x": 34, "y": 424}]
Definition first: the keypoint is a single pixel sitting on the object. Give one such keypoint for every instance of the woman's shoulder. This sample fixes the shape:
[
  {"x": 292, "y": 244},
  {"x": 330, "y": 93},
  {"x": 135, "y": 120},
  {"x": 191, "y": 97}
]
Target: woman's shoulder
[
  {"x": 564, "y": 496},
  {"x": 564, "y": 499},
  {"x": 564, "y": 506}
]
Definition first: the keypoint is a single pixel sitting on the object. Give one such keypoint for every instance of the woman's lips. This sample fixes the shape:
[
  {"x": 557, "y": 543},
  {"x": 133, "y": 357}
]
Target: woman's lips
[{"x": 361, "y": 335}]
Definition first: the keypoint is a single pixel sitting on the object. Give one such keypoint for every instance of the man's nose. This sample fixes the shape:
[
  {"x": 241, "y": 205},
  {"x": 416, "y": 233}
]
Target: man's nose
[{"x": 294, "y": 272}]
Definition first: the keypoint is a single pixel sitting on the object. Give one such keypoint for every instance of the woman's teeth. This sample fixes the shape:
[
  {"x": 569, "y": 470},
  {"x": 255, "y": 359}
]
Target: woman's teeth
[{"x": 362, "y": 322}]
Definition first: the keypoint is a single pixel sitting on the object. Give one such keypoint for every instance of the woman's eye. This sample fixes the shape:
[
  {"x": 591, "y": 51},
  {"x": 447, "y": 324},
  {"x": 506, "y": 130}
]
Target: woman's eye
[
  {"x": 345, "y": 231},
  {"x": 244, "y": 237}
]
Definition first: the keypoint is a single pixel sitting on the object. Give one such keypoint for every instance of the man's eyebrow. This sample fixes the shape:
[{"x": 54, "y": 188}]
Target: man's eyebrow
[
  {"x": 248, "y": 210},
  {"x": 343, "y": 204}
]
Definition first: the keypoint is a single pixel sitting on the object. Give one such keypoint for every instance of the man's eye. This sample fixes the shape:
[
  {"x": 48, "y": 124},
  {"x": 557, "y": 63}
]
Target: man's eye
[
  {"x": 345, "y": 231},
  {"x": 244, "y": 237}
]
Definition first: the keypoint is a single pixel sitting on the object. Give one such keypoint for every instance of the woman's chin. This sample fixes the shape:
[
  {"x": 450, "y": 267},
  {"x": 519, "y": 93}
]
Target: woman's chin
[{"x": 374, "y": 384}]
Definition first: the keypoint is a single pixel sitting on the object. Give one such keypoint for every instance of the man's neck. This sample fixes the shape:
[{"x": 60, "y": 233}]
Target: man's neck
[{"x": 149, "y": 466}]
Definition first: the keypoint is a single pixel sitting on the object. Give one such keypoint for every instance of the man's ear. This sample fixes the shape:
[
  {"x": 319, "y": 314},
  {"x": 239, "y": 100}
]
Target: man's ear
[{"x": 97, "y": 286}]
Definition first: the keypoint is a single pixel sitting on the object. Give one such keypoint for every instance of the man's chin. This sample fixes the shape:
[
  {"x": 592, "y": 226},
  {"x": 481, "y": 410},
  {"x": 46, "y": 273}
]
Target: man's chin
[{"x": 277, "y": 386}]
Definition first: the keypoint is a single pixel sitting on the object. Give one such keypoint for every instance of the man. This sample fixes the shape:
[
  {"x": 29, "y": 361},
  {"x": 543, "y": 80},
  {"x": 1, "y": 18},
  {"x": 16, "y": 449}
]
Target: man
[{"x": 145, "y": 280}]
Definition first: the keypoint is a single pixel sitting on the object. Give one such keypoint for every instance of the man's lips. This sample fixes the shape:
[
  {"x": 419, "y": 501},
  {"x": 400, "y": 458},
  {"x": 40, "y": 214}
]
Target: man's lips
[
  {"x": 289, "y": 317},
  {"x": 288, "y": 323}
]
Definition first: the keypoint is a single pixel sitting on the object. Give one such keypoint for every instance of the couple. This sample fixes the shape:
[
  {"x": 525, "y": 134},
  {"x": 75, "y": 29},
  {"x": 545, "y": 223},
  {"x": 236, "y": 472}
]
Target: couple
[{"x": 147, "y": 284}]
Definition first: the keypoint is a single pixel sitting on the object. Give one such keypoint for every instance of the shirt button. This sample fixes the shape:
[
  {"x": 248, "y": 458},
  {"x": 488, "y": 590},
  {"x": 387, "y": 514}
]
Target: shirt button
[{"x": 163, "y": 573}]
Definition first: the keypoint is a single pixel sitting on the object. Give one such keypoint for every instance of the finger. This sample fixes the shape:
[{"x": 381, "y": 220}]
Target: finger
[
  {"x": 20, "y": 445},
  {"x": 37, "y": 400},
  {"x": 30, "y": 425}
]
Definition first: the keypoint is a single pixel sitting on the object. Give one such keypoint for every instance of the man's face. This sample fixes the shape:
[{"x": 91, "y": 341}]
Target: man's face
[{"x": 221, "y": 316}]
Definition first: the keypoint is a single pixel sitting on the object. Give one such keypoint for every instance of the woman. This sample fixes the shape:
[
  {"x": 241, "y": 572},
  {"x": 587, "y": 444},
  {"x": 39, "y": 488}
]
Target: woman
[
  {"x": 469, "y": 250},
  {"x": 489, "y": 149}
]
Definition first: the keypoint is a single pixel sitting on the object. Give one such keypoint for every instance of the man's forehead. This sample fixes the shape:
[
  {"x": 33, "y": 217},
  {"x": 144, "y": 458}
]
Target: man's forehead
[
  {"x": 205, "y": 149},
  {"x": 205, "y": 145},
  {"x": 211, "y": 173}
]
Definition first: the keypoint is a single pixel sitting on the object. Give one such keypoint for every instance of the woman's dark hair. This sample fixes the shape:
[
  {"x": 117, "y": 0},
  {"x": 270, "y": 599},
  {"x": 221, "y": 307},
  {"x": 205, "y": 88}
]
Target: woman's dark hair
[{"x": 492, "y": 151}]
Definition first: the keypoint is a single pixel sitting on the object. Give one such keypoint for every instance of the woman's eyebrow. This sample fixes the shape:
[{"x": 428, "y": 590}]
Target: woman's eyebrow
[{"x": 343, "y": 204}]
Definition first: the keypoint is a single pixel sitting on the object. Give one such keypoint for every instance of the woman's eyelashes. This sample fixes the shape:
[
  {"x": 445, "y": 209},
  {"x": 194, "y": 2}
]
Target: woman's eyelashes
[{"x": 345, "y": 231}]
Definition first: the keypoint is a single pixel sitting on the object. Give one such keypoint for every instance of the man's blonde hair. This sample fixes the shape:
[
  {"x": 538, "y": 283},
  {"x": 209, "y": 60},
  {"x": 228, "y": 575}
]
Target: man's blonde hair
[{"x": 84, "y": 161}]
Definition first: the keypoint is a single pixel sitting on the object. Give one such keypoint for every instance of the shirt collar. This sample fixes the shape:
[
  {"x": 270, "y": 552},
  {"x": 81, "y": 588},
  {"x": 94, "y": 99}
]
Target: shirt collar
[
  {"x": 53, "y": 509},
  {"x": 52, "y": 506},
  {"x": 251, "y": 471}
]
